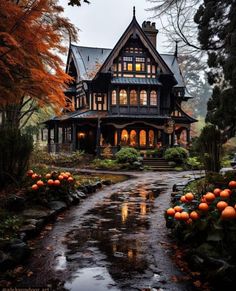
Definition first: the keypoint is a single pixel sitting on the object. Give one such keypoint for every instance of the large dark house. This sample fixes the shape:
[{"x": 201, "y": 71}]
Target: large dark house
[{"x": 126, "y": 96}]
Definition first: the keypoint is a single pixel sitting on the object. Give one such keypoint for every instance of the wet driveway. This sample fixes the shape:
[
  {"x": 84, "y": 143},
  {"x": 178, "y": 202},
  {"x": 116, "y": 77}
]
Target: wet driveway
[{"x": 114, "y": 240}]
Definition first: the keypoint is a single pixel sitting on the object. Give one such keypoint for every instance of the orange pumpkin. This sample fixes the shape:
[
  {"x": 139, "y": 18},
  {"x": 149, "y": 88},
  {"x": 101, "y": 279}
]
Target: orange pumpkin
[
  {"x": 48, "y": 176},
  {"x": 170, "y": 212},
  {"x": 221, "y": 205},
  {"x": 34, "y": 176},
  {"x": 232, "y": 184},
  {"x": 178, "y": 208},
  {"x": 40, "y": 183},
  {"x": 184, "y": 216},
  {"x": 177, "y": 216},
  {"x": 194, "y": 215},
  {"x": 210, "y": 197},
  {"x": 56, "y": 183},
  {"x": 224, "y": 194},
  {"x": 70, "y": 179},
  {"x": 183, "y": 199},
  {"x": 217, "y": 192},
  {"x": 203, "y": 206},
  {"x": 35, "y": 187},
  {"x": 60, "y": 177},
  {"x": 189, "y": 196},
  {"x": 50, "y": 182},
  {"x": 228, "y": 213}
]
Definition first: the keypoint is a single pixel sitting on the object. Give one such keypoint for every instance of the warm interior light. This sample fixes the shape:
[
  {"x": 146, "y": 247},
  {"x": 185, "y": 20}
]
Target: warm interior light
[{"x": 81, "y": 135}]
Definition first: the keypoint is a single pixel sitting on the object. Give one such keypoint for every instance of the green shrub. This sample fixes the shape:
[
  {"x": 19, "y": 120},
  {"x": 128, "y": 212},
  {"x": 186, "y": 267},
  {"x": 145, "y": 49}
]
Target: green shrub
[
  {"x": 193, "y": 163},
  {"x": 15, "y": 150},
  {"x": 106, "y": 164},
  {"x": 127, "y": 155},
  {"x": 177, "y": 155}
]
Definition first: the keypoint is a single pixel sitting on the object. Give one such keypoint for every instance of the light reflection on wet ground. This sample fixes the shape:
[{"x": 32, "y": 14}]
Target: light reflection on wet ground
[
  {"x": 116, "y": 228},
  {"x": 115, "y": 238}
]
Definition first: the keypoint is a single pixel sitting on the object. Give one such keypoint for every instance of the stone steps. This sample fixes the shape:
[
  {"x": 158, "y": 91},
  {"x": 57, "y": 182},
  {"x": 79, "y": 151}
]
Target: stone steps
[{"x": 157, "y": 164}]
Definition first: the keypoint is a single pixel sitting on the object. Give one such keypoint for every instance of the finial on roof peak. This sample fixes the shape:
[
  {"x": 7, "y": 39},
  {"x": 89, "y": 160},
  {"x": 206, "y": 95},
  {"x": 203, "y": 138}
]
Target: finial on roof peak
[{"x": 134, "y": 11}]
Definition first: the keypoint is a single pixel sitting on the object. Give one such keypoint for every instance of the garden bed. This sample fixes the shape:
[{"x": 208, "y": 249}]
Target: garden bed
[{"x": 202, "y": 220}]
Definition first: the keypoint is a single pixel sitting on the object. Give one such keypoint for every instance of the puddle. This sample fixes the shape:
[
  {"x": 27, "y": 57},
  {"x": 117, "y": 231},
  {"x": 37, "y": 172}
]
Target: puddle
[{"x": 88, "y": 279}]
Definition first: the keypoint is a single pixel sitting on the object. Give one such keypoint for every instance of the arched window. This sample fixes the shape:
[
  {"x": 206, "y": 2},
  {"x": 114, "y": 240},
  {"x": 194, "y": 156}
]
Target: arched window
[
  {"x": 114, "y": 97},
  {"x": 151, "y": 138},
  {"x": 133, "y": 97},
  {"x": 133, "y": 138},
  {"x": 124, "y": 137},
  {"x": 123, "y": 97},
  {"x": 143, "y": 97},
  {"x": 153, "y": 98},
  {"x": 142, "y": 138}
]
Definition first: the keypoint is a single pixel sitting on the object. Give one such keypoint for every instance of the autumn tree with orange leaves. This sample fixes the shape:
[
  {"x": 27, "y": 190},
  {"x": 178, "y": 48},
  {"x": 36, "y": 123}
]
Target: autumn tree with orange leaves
[
  {"x": 31, "y": 75},
  {"x": 31, "y": 70}
]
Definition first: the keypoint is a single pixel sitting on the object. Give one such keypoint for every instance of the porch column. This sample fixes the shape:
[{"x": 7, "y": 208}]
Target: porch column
[
  {"x": 188, "y": 137},
  {"x": 63, "y": 133},
  {"x": 147, "y": 138},
  {"x": 155, "y": 137},
  {"x": 73, "y": 136},
  {"x": 56, "y": 137},
  {"x": 98, "y": 137},
  {"x": 118, "y": 136},
  {"x": 49, "y": 139}
]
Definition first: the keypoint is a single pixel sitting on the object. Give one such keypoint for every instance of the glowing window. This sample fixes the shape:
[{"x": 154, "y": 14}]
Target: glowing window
[
  {"x": 124, "y": 137},
  {"x": 153, "y": 98},
  {"x": 119, "y": 67},
  {"x": 130, "y": 67},
  {"x": 133, "y": 97},
  {"x": 151, "y": 138},
  {"x": 123, "y": 97},
  {"x": 113, "y": 97},
  {"x": 142, "y": 138},
  {"x": 133, "y": 138},
  {"x": 143, "y": 97},
  {"x": 153, "y": 69},
  {"x": 128, "y": 59},
  {"x": 138, "y": 67}
]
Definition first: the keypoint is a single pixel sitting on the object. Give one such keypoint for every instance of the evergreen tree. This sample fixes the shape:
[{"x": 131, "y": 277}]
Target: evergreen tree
[{"x": 217, "y": 34}]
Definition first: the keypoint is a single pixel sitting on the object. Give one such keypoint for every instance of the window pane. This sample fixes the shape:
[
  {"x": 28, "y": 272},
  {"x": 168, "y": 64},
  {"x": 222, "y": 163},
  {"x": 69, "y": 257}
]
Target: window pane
[
  {"x": 123, "y": 97},
  {"x": 142, "y": 138},
  {"x": 133, "y": 138},
  {"x": 143, "y": 97},
  {"x": 124, "y": 137},
  {"x": 151, "y": 138},
  {"x": 130, "y": 67},
  {"x": 128, "y": 59},
  {"x": 113, "y": 98},
  {"x": 138, "y": 67},
  {"x": 133, "y": 97},
  {"x": 153, "y": 69},
  {"x": 153, "y": 98}
]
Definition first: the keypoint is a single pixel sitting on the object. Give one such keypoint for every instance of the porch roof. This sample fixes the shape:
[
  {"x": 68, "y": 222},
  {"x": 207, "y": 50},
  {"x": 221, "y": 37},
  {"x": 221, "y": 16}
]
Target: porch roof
[{"x": 141, "y": 81}]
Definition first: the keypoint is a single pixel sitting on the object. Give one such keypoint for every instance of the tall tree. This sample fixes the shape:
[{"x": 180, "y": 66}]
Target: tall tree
[
  {"x": 217, "y": 33},
  {"x": 31, "y": 72}
]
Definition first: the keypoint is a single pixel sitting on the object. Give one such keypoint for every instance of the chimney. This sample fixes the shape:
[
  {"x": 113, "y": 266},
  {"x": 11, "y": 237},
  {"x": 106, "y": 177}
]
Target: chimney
[{"x": 150, "y": 31}]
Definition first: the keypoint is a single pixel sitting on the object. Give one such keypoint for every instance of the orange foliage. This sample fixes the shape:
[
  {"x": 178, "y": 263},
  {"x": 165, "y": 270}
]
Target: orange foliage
[{"x": 31, "y": 35}]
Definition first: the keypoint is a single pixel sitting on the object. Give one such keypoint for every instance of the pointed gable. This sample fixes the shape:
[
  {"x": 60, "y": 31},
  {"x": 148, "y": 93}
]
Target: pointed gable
[{"x": 134, "y": 30}]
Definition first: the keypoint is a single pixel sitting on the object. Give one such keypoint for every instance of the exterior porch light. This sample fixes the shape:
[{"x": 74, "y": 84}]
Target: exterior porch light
[{"x": 81, "y": 135}]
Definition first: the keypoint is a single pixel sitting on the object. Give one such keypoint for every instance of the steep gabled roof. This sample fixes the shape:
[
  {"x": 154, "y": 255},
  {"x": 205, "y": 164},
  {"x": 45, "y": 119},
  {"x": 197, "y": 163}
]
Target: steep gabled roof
[
  {"x": 134, "y": 28},
  {"x": 88, "y": 60}
]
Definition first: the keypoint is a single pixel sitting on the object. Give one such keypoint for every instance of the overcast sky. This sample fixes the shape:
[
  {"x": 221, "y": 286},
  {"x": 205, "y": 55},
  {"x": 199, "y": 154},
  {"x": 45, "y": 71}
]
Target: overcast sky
[{"x": 103, "y": 22}]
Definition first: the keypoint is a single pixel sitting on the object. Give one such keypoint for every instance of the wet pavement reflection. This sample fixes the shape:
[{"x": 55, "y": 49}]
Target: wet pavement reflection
[
  {"x": 115, "y": 239},
  {"x": 113, "y": 236}
]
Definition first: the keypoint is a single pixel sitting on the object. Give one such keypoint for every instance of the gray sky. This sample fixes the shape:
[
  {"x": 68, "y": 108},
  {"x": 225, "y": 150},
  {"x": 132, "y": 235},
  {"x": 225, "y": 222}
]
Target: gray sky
[{"x": 103, "y": 22}]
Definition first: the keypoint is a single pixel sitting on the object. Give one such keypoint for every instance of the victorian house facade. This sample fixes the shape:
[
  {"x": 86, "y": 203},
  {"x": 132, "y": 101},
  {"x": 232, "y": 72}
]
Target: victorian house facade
[{"x": 126, "y": 96}]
